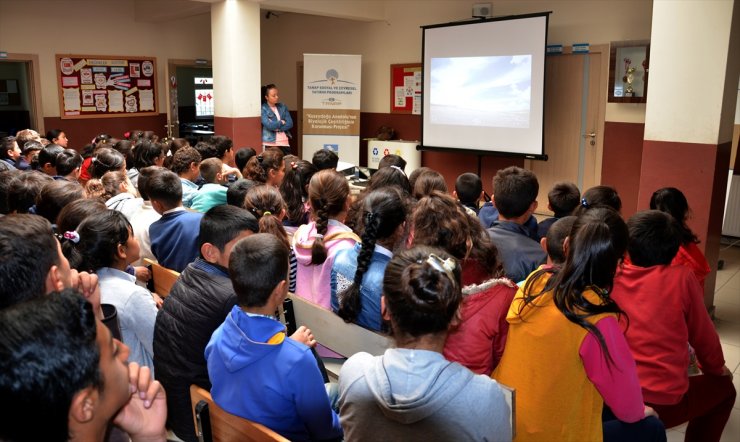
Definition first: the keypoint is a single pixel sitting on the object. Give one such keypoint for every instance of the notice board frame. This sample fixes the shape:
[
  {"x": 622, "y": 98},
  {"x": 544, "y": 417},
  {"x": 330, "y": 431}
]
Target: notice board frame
[
  {"x": 108, "y": 61},
  {"x": 398, "y": 72}
]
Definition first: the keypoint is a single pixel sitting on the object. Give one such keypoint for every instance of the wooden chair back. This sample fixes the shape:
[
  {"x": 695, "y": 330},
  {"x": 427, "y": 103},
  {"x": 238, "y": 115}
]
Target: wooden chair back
[
  {"x": 213, "y": 424},
  {"x": 162, "y": 277}
]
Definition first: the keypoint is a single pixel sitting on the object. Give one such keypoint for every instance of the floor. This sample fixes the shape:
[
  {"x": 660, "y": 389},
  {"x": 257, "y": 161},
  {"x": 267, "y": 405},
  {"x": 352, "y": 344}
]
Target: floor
[{"x": 727, "y": 321}]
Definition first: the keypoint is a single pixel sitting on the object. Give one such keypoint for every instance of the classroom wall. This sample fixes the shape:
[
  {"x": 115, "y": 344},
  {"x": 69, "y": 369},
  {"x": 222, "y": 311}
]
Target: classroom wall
[
  {"x": 397, "y": 39},
  {"x": 88, "y": 27}
]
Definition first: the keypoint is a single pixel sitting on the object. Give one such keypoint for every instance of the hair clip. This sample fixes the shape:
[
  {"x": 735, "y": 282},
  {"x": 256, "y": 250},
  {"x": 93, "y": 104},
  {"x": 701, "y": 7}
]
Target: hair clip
[
  {"x": 584, "y": 203},
  {"x": 72, "y": 236},
  {"x": 266, "y": 212},
  {"x": 318, "y": 235},
  {"x": 260, "y": 158},
  {"x": 293, "y": 165},
  {"x": 127, "y": 135},
  {"x": 398, "y": 169},
  {"x": 370, "y": 216},
  {"x": 446, "y": 266}
]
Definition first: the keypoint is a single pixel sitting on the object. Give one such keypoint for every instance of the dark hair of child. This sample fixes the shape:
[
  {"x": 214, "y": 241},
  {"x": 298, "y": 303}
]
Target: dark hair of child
[
  {"x": 258, "y": 263},
  {"x": 75, "y": 212},
  {"x": 177, "y": 144},
  {"x": 597, "y": 244},
  {"x": 105, "y": 160},
  {"x": 325, "y": 159},
  {"x": 384, "y": 210},
  {"x": 427, "y": 183},
  {"x": 327, "y": 192},
  {"x": 422, "y": 292},
  {"x": 468, "y": 187},
  {"x": 599, "y": 196},
  {"x": 68, "y": 161},
  {"x": 165, "y": 187},
  {"x": 6, "y": 144},
  {"x": 392, "y": 160},
  {"x": 389, "y": 176},
  {"x": 146, "y": 152},
  {"x": 674, "y": 202},
  {"x": 206, "y": 150},
  {"x": 6, "y": 176},
  {"x": 514, "y": 190},
  {"x": 416, "y": 174},
  {"x": 242, "y": 156},
  {"x": 556, "y": 235},
  {"x": 143, "y": 183},
  {"x": 655, "y": 237},
  {"x": 183, "y": 158},
  {"x": 24, "y": 188},
  {"x": 257, "y": 167},
  {"x": 222, "y": 144},
  {"x": 100, "y": 235},
  {"x": 266, "y": 204},
  {"x": 439, "y": 221},
  {"x": 223, "y": 223},
  {"x": 46, "y": 160},
  {"x": 112, "y": 182},
  {"x": 237, "y": 191},
  {"x": 294, "y": 190},
  {"x": 55, "y": 195},
  {"x": 210, "y": 168},
  {"x": 563, "y": 198}
]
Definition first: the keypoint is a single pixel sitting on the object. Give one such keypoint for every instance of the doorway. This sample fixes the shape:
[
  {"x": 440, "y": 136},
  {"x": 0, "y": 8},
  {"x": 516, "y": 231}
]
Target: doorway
[
  {"x": 20, "y": 100},
  {"x": 190, "y": 111},
  {"x": 574, "y": 122}
]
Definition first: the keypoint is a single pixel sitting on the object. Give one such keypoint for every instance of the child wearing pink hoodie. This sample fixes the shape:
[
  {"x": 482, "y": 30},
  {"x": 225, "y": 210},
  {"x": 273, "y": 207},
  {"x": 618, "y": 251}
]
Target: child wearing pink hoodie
[{"x": 316, "y": 243}]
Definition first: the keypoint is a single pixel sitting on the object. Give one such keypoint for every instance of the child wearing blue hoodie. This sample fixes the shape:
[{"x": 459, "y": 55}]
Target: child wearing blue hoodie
[{"x": 257, "y": 372}]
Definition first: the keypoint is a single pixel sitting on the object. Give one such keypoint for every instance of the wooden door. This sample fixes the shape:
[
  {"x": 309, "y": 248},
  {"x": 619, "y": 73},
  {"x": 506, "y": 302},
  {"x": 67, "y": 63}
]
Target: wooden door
[{"x": 574, "y": 118}]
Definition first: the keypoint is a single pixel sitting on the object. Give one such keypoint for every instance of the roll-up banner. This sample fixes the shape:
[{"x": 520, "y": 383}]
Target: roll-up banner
[{"x": 331, "y": 105}]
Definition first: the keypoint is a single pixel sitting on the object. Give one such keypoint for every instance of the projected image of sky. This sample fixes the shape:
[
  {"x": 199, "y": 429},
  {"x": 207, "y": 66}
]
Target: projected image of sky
[{"x": 481, "y": 91}]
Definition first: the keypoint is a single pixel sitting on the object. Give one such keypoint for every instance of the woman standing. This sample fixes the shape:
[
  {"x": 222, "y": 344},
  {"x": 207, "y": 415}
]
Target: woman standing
[
  {"x": 57, "y": 136},
  {"x": 276, "y": 121}
]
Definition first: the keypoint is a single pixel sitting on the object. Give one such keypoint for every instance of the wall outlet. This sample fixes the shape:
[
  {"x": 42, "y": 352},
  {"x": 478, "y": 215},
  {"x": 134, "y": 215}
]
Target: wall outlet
[{"x": 483, "y": 10}]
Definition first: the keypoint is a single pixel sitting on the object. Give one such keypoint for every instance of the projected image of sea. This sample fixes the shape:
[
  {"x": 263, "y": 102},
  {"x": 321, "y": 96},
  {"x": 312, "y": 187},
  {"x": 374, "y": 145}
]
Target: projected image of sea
[{"x": 481, "y": 91}]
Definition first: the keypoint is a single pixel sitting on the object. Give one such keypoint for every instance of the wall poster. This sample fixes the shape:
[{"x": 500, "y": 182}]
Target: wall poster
[{"x": 92, "y": 86}]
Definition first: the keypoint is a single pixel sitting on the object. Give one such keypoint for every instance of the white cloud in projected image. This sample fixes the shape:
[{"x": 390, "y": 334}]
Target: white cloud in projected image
[{"x": 481, "y": 91}]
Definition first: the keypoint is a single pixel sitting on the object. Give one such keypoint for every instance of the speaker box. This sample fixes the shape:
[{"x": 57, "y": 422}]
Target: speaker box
[{"x": 483, "y": 10}]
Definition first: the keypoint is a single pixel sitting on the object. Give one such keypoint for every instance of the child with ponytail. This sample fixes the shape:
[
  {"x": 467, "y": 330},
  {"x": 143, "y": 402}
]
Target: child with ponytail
[
  {"x": 267, "y": 167},
  {"x": 266, "y": 204},
  {"x": 294, "y": 190},
  {"x": 315, "y": 244},
  {"x": 357, "y": 273}
]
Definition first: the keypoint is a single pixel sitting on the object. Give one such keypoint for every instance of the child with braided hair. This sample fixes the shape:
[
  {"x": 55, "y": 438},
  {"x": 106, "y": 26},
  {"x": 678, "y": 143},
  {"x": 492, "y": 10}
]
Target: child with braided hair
[
  {"x": 357, "y": 273},
  {"x": 267, "y": 205},
  {"x": 294, "y": 190},
  {"x": 315, "y": 244}
]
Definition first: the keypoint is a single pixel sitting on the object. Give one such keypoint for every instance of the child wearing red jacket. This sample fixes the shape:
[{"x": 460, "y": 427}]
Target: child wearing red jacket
[{"x": 666, "y": 312}]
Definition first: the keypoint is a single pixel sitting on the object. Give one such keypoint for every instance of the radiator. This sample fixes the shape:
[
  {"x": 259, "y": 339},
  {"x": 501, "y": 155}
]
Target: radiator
[{"x": 731, "y": 224}]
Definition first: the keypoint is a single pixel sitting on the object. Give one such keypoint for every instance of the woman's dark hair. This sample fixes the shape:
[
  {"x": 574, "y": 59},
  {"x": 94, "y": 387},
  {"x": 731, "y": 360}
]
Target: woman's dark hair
[
  {"x": 105, "y": 160},
  {"x": 429, "y": 182},
  {"x": 383, "y": 211},
  {"x": 146, "y": 152},
  {"x": 294, "y": 190},
  {"x": 48, "y": 155},
  {"x": 328, "y": 192},
  {"x": 242, "y": 157},
  {"x": 52, "y": 134},
  {"x": 100, "y": 235},
  {"x": 597, "y": 243},
  {"x": 265, "y": 89},
  {"x": 258, "y": 166},
  {"x": 599, "y": 196},
  {"x": 672, "y": 201},
  {"x": 55, "y": 195},
  {"x": 422, "y": 292},
  {"x": 266, "y": 204},
  {"x": 440, "y": 221}
]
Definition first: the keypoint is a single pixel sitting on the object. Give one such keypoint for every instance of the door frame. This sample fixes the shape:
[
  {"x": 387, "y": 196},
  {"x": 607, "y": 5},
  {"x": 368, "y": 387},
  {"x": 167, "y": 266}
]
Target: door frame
[
  {"x": 172, "y": 65},
  {"x": 34, "y": 87}
]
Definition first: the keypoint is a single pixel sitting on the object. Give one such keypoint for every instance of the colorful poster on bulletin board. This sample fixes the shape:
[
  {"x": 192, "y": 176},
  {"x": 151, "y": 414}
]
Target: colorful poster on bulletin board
[
  {"x": 92, "y": 86},
  {"x": 406, "y": 88}
]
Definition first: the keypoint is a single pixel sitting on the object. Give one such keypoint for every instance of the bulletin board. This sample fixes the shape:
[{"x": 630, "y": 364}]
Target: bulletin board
[
  {"x": 92, "y": 86},
  {"x": 406, "y": 88}
]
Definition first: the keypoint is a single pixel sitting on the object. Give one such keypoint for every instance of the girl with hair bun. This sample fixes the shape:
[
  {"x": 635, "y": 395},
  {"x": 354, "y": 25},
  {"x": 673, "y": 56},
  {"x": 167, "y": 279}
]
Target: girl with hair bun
[
  {"x": 566, "y": 355},
  {"x": 315, "y": 244},
  {"x": 267, "y": 167},
  {"x": 266, "y": 204},
  {"x": 412, "y": 392},
  {"x": 357, "y": 273}
]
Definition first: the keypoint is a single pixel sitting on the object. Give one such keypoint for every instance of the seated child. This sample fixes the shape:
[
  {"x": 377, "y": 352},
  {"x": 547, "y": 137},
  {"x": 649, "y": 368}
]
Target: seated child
[
  {"x": 554, "y": 242},
  {"x": 213, "y": 192},
  {"x": 357, "y": 273},
  {"x": 665, "y": 307},
  {"x": 175, "y": 235},
  {"x": 186, "y": 164},
  {"x": 515, "y": 197},
  {"x": 562, "y": 199},
  {"x": 469, "y": 191},
  {"x": 59, "y": 362},
  {"x": 412, "y": 392},
  {"x": 325, "y": 159},
  {"x": 198, "y": 303},
  {"x": 257, "y": 372}
]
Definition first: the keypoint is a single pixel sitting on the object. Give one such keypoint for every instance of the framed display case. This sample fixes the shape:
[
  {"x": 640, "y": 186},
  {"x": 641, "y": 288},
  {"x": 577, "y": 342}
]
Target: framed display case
[{"x": 629, "y": 63}]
